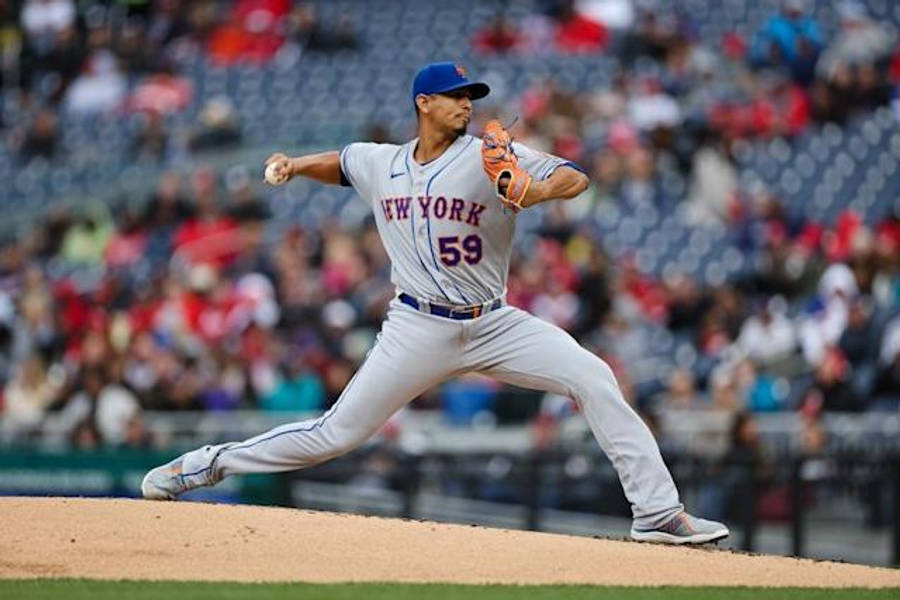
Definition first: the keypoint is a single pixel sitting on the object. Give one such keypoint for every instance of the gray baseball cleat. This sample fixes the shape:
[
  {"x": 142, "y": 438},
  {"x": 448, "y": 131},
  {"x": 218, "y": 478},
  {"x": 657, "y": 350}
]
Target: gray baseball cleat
[
  {"x": 166, "y": 482},
  {"x": 682, "y": 529}
]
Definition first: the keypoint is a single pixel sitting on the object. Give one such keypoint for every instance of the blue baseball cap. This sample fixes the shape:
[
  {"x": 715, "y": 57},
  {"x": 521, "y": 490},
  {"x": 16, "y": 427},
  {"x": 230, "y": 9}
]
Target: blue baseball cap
[{"x": 443, "y": 77}]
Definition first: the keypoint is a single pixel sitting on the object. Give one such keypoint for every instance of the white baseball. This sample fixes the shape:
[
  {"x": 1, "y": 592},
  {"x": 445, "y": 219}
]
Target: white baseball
[{"x": 272, "y": 177}]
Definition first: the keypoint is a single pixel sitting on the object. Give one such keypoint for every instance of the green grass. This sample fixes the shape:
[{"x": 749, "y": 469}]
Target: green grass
[{"x": 78, "y": 589}]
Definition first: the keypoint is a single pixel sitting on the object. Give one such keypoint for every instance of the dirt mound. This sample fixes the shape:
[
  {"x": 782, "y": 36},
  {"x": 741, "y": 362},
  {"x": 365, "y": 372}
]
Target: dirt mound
[{"x": 133, "y": 539}]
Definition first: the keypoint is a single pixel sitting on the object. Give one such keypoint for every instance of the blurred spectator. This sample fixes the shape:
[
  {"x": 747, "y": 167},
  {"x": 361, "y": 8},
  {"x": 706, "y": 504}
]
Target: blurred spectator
[
  {"x": 767, "y": 336},
  {"x": 178, "y": 384},
  {"x": 759, "y": 389},
  {"x": 538, "y": 33},
  {"x": 732, "y": 493},
  {"x": 832, "y": 389},
  {"x": 814, "y": 439},
  {"x": 497, "y": 38},
  {"x": 859, "y": 344},
  {"x": 41, "y": 138},
  {"x": 615, "y": 14},
  {"x": 713, "y": 190},
  {"x": 720, "y": 325},
  {"x": 99, "y": 89},
  {"x": 577, "y": 33},
  {"x": 308, "y": 31},
  {"x": 108, "y": 407},
  {"x": 787, "y": 267},
  {"x": 337, "y": 375},
  {"x": 890, "y": 345},
  {"x": 861, "y": 257},
  {"x": 28, "y": 396},
  {"x": 246, "y": 206},
  {"x": 654, "y": 33},
  {"x": 775, "y": 107},
  {"x": 594, "y": 291},
  {"x": 556, "y": 305},
  {"x": 218, "y": 127},
  {"x": 687, "y": 303},
  {"x": 11, "y": 42},
  {"x": 744, "y": 448},
  {"x": 853, "y": 72},
  {"x": 860, "y": 43},
  {"x": 791, "y": 39},
  {"x": 152, "y": 140},
  {"x": 469, "y": 400},
  {"x": 725, "y": 394},
  {"x": 680, "y": 392},
  {"x": 651, "y": 108},
  {"x": 643, "y": 290},
  {"x": 886, "y": 389},
  {"x": 827, "y": 317},
  {"x": 126, "y": 245},
  {"x": 298, "y": 390},
  {"x": 251, "y": 32},
  {"x": 168, "y": 206},
  {"x": 43, "y": 20},
  {"x": 225, "y": 384},
  {"x": 37, "y": 328},
  {"x": 210, "y": 236},
  {"x": 52, "y": 68},
  {"x": 47, "y": 236},
  {"x": 85, "y": 241},
  {"x": 163, "y": 92},
  {"x": 165, "y": 24},
  {"x": 85, "y": 436},
  {"x": 7, "y": 338},
  {"x": 132, "y": 50}
]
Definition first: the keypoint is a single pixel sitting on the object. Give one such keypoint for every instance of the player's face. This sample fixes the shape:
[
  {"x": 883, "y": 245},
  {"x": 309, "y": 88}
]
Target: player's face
[{"x": 451, "y": 111}]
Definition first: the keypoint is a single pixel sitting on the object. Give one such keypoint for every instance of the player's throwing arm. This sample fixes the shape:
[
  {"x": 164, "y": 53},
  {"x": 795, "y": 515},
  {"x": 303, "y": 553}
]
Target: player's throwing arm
[{"x": 323, "y": 167}]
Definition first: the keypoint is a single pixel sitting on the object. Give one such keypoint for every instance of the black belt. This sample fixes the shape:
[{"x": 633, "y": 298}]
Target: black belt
[{"x": 451, "y": 312}]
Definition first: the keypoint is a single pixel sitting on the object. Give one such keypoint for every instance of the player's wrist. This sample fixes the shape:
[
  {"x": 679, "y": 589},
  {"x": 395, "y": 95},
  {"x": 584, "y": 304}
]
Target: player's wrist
[
  {"x": 534, "y": 195},
  {"x": 295, "y": 166}
]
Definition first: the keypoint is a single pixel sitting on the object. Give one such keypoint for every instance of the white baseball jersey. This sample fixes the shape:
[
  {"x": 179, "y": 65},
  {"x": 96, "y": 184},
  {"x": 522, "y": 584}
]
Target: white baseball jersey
[{"x": 448, "y": 236}]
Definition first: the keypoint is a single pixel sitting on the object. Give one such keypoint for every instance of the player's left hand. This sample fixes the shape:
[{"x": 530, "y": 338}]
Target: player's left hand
[{"x": 511, "y": 182}]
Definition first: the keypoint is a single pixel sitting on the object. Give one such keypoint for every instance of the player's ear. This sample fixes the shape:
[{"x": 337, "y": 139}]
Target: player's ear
[{"x": 422, "y": 103}]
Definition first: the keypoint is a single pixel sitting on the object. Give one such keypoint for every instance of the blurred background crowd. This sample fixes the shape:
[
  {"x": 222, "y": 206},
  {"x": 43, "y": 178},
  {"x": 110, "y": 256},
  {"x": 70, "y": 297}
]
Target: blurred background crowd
[{"x": 738, "y": 249}]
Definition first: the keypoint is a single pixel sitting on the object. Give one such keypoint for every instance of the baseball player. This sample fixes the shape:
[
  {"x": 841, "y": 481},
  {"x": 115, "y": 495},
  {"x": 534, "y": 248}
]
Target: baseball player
[{"x": 448, "y": 230}]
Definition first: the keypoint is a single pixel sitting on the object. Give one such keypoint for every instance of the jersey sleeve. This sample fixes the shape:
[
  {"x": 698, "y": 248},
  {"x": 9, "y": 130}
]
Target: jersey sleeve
[
  {"x": 540, "y": 164},
  {"x": 357, "y": 163}
]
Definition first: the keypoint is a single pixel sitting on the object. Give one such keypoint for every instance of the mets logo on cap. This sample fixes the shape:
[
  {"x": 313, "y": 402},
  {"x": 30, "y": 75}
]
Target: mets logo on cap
[{"x": 460, "y": 70}]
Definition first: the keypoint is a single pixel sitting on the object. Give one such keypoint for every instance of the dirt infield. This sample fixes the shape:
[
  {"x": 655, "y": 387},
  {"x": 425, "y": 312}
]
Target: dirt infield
[{"x": 133, "y": 539}]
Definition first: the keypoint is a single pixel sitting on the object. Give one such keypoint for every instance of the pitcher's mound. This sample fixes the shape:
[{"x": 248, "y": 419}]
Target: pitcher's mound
[{"x": 132, "y": 539}]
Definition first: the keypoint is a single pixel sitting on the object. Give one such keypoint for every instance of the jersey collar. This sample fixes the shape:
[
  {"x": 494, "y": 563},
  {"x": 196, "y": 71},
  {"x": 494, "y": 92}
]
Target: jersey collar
[{"x": 450, "y": 152}]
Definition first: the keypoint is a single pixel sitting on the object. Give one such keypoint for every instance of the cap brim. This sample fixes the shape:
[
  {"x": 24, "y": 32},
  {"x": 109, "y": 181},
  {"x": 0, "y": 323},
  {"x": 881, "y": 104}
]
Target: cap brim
[{"x": 477, "y": 89}]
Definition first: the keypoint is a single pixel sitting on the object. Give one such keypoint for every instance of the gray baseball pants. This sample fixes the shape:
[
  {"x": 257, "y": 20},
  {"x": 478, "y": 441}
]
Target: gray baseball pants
[{"x": 416, "y": 351}]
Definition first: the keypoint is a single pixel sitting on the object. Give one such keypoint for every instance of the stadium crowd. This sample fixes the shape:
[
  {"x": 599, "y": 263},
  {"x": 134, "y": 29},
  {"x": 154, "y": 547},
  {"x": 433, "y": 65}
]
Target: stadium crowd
[{"x": 196, "y": 302}]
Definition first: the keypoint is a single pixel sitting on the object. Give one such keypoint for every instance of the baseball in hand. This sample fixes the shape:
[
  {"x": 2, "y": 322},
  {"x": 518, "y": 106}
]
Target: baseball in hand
[{"x": 273, "y": 175}]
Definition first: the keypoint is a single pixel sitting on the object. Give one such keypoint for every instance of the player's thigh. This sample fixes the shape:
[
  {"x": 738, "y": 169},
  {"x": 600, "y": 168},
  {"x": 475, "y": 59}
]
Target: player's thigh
[
  {"x": 412, "y": 354},
  {"x": 534, "y": 354}
]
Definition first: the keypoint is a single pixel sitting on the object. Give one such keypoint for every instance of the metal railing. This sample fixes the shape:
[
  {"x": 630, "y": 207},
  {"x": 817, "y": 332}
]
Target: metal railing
[{"x": 533, "y": 490}]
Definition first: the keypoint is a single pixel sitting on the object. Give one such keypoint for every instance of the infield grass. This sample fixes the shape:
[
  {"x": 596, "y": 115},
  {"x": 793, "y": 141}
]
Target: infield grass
[{"x": 84, "y": 589}]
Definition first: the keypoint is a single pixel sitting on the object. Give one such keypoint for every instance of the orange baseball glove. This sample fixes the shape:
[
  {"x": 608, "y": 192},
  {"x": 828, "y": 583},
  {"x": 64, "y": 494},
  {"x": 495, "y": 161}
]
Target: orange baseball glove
[{"x": 502, "y": 166}]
